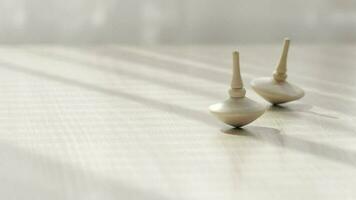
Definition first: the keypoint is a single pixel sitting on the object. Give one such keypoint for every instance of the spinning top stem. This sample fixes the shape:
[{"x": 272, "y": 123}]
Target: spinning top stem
[
  {"x": 280, "y": 74},
  {"x": 237, "y": 90}
]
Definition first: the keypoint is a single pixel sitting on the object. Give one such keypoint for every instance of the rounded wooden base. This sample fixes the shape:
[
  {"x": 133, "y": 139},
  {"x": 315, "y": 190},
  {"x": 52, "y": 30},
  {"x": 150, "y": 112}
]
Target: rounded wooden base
[
  {"x": 237, "y": 112},
  {"x": 276, "y": 92}
]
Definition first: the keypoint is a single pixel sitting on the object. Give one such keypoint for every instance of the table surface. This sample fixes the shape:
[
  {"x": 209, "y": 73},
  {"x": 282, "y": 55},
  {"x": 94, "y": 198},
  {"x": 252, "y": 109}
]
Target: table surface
[{"x": 126, "y": 122}]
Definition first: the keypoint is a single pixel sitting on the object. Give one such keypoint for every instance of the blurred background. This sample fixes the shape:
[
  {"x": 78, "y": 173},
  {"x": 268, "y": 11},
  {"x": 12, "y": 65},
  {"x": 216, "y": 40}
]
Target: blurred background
[{"x": 176, "y": 21}]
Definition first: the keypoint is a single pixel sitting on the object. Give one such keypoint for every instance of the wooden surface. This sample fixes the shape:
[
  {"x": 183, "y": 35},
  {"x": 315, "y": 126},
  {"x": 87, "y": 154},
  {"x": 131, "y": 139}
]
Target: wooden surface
[{"x": 120, "y": 122}]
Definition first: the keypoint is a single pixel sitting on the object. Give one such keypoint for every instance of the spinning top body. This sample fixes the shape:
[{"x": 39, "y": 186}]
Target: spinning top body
[
  {"x": 276, "y": 92},
  {"x": 237, "y": 110},
  {"x": 277, "y": 89}
]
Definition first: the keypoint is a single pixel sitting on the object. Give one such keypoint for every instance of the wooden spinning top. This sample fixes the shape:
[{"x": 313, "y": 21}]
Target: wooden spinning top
[
  {"x": 237, "y": 110},
  {"x": 276, "y": 89}
]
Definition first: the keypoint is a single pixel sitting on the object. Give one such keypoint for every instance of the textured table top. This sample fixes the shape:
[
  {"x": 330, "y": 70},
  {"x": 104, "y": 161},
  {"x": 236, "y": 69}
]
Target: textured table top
[{"x": 125, "y": 122}]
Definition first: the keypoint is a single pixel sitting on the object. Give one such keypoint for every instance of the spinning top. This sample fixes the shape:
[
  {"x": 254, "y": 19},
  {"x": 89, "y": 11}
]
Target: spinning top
[
  {"x": 276, "y": 89},
  {"x": 238, "y": 110}
]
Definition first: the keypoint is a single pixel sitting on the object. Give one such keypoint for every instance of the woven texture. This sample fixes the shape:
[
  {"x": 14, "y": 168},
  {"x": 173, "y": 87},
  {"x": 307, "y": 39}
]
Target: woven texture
[{"x": 123, "y": 122}]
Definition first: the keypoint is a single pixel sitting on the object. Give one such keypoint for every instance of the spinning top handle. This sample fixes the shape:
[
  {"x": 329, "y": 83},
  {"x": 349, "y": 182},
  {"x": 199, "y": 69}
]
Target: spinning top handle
[
  {"x": 280, "y": 74},
  {"x": 237, "y": 89}
]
